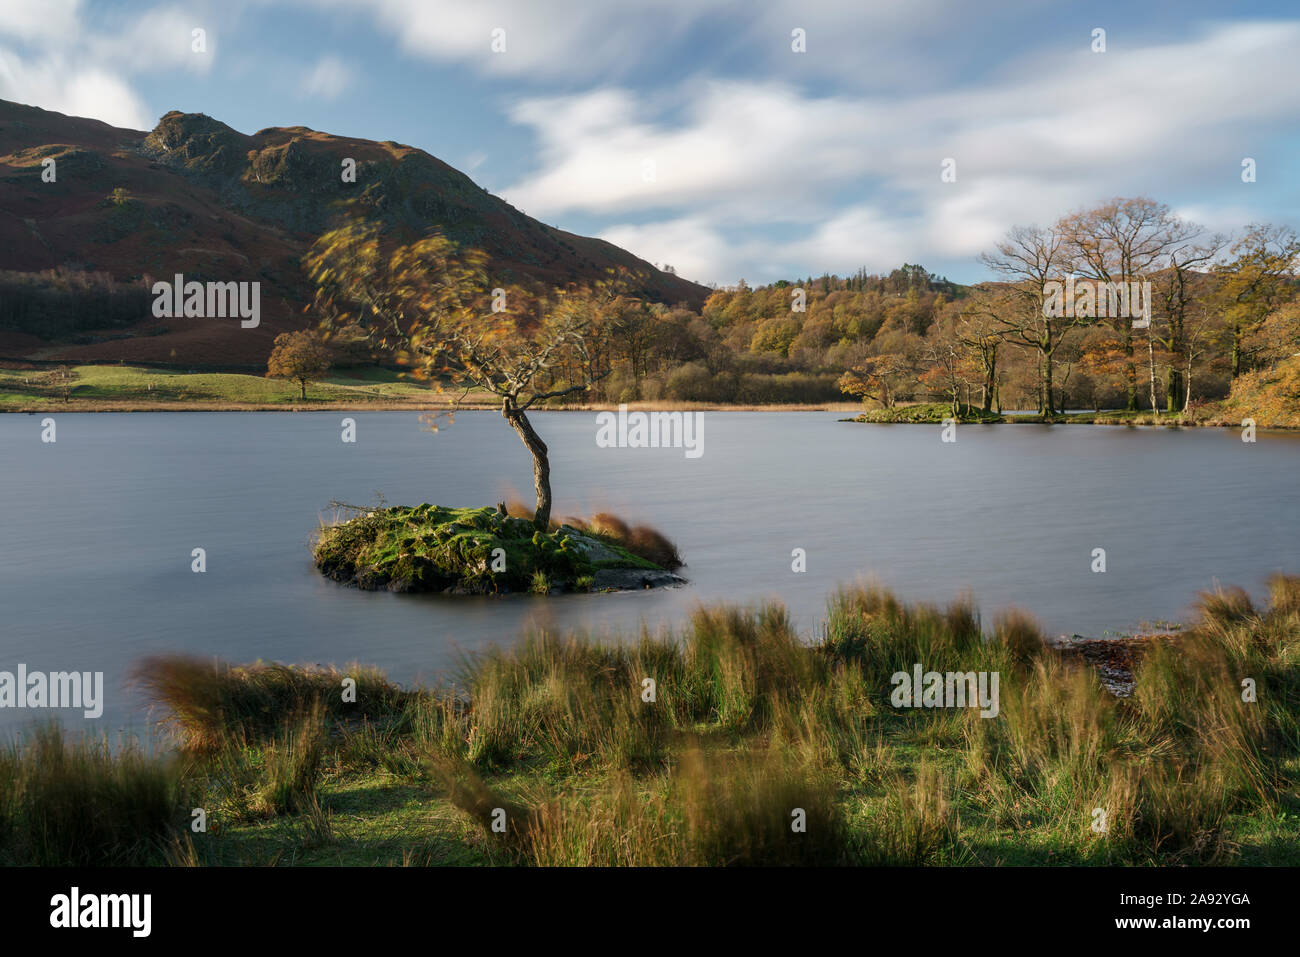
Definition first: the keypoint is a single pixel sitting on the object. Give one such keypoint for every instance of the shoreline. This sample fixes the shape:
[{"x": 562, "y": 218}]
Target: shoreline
[
  {"x": 415, "y": 407},
  {"x": 1141, "y": 420}
]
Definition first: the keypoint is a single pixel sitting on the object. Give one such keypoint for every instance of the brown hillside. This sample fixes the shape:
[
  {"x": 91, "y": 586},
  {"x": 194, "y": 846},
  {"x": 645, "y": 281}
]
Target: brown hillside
[{"x": 215, "y": 204}]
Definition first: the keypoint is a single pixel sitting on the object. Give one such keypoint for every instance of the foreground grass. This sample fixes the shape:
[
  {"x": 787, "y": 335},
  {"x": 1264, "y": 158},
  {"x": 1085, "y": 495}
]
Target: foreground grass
[{"x": 751, "y": 747}]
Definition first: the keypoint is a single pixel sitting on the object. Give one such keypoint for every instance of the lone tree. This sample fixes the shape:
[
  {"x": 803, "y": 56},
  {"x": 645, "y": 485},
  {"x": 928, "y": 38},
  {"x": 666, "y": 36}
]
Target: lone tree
[
  {"x": 430, "y": 304},
  {"x": 300, "y": 356},
  {"x": 879, "y": 377}
]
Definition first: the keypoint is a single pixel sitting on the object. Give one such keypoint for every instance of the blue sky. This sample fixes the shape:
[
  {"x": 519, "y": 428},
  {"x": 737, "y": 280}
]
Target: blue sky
[{"x": 690, "y": 131}]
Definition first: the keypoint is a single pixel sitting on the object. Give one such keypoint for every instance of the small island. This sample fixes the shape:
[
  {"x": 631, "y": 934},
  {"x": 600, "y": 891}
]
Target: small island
[{"x": 469, "y": 551}]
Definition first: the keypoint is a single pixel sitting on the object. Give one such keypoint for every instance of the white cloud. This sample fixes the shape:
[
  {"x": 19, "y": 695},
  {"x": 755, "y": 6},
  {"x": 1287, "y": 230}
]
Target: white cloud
[
  {"x": 53, "y": 83},
  {"x": 855, "y": 178},
  {"x": 328, "y": 78},
  {"x": 591, "y": 39},
  {"x": 739, "y": 138},
  {"x": 38, "y": 21},
  {"x": 85, "y": 69},
  {"x": 691, "y": 245},
  {"x": 159, "y": 39},
  {"x": 698, "y": 248},
  {"x": 556, "y": 38}
]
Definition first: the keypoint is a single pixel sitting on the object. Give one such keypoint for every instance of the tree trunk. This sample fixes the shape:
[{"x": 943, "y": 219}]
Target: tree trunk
[
  {"x": 541, "y": 464},
  {"x": 1130, "y": 367},
  {"x": 1049, "y": 407},
  {"x": 1151, "y": 360},
  {"x": 990, "y": 380},
  {"x": 1174, "y": 393},
  {"x": 1178, "y": 346},
  {"x": 1042, "y": 408},
  {"x": 302, "y": 388}
]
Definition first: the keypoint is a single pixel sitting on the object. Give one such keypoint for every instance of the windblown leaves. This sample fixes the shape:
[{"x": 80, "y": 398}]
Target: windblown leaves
[{"x": 433, "y": 307}]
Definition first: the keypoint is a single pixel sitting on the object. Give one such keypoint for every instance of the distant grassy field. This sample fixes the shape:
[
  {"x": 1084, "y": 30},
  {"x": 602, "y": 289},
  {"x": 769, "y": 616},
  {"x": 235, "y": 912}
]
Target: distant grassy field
[{"x": 110, "y": 388}]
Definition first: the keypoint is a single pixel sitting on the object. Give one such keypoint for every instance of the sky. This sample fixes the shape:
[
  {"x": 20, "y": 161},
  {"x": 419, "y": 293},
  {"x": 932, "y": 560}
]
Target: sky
[{"x": 697, "y": 133}]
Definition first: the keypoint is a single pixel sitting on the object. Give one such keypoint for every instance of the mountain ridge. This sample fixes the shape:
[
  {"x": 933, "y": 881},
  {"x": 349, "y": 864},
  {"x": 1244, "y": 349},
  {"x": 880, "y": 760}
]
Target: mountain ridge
[{"x": 209, "y": 202}]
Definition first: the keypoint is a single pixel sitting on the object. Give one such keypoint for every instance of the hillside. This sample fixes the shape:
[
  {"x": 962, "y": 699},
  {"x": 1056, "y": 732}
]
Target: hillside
[{"x": 212, "y": 203}]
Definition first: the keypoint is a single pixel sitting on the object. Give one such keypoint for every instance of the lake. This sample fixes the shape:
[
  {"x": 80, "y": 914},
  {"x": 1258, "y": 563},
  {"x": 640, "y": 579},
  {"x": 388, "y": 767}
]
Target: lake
[{"x": 95, "y": 559}]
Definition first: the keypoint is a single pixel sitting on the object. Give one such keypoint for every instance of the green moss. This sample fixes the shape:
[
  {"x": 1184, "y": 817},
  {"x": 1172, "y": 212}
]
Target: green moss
[{"x": 475, "y": 550}]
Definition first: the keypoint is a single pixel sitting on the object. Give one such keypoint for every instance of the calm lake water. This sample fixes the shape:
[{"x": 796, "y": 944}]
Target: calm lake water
[{"x": 99, "y": 528}]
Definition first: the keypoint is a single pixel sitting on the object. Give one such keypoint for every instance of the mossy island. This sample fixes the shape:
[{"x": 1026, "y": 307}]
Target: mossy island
[{"x": 476, "y": 551}]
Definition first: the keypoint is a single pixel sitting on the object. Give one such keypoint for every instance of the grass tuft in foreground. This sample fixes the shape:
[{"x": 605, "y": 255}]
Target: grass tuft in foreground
[
  {"x": 733, "y": 742},
  {"x": 76, "y": 802}
]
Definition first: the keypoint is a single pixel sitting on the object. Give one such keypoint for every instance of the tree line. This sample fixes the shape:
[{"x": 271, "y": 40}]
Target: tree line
[
  {"x": 1220, "y": 306},
  {"x": 56, "y": 303},
  {"x": 1215, "y": 307}
]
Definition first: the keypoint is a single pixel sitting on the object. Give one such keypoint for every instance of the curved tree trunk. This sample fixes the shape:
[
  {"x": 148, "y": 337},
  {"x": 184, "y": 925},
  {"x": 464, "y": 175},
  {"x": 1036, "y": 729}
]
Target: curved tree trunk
[
  {"x": 990, "y": 380},
  {"x": 541, "y": 464},
  {"x": 1048, "y": 400}
]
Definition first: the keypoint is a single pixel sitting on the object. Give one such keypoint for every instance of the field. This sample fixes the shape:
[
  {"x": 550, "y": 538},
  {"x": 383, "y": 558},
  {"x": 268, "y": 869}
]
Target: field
[
  {"x": 734, "y": 742},
  {"x": 122, "y": 388}
]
